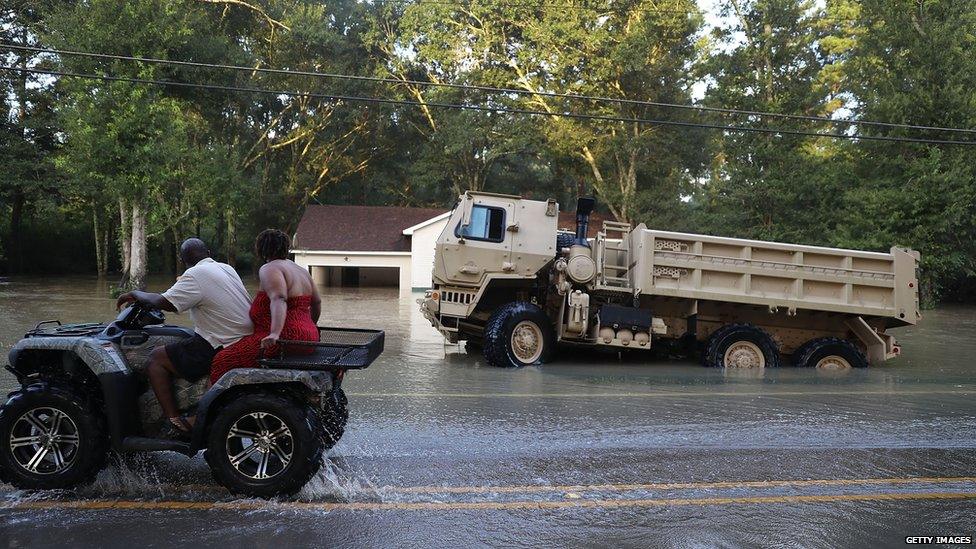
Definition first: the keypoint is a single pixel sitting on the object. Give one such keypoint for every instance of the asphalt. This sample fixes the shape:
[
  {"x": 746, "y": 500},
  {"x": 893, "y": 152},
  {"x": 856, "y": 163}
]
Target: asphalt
[{"x": 591, "y": 450}]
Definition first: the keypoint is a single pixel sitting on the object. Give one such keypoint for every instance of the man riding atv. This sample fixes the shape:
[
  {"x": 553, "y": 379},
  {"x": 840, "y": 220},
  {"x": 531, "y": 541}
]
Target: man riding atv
[
  {"x": 88, "y": 389},
  {"x": 218, "y": 303}
]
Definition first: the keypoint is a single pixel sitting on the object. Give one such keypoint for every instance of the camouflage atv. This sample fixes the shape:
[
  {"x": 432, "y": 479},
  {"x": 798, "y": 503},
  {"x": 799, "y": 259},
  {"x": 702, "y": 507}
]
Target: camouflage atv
[{"x": 84, "y": 393}]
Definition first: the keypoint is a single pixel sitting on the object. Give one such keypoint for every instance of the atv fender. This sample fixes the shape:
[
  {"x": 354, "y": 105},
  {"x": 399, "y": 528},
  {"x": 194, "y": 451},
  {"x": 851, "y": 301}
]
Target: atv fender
[
  {"x": 317, "y": 382},
  {"x": 101, "y": 356}
]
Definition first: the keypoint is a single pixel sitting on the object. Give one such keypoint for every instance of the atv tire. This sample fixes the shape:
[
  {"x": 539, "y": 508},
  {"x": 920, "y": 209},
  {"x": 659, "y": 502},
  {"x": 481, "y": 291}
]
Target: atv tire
[
  {"x": 264, "y": 445},
  {"x": 50, "y": 438},
  {"x": 829, "y": 353},
  {"x": 333, "y": 418},
  {"x": 518, "y": 334},
  {"x": 740, "y": 346}
]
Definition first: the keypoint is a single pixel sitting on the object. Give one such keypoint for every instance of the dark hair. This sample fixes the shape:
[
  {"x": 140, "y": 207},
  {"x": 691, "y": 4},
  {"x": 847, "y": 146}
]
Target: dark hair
[{"x": 271, "y": 244}]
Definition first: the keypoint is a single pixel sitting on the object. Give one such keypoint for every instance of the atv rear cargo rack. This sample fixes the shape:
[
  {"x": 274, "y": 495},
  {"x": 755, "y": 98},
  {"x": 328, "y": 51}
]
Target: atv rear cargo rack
[{"x": 336, "y": 349}]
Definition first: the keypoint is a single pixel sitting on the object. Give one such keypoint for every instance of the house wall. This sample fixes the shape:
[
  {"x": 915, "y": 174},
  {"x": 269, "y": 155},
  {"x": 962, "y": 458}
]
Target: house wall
[
  {"x": 325, "y": 267},
  {"x": 422, "y": 253}
]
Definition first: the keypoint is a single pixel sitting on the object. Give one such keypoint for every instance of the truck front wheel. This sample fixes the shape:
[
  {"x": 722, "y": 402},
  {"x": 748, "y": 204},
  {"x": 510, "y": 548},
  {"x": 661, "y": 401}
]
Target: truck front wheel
[
  {"x": 740, "y": 346},
  {"x": 518, "y": 334}
]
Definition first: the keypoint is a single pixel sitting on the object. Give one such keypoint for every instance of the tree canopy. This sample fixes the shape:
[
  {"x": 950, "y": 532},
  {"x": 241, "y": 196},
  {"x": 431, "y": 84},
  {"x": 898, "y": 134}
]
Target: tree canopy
[{"x": 110, "y": 175}]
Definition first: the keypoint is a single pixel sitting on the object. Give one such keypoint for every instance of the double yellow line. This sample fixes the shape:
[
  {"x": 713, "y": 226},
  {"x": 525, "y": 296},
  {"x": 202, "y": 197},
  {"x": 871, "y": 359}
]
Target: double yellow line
[
  {"x": 247, "y": 505},
  {"x": 675, "y": 394},
  {"x": 571, "y": 497}
]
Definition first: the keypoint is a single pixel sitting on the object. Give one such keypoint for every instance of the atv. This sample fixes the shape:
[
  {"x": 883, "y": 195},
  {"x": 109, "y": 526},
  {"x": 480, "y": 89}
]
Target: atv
[{"x": 84, "y": 393}]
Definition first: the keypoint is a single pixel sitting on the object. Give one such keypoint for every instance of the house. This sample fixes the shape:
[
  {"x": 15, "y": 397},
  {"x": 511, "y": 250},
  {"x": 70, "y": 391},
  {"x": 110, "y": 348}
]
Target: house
[{"x": 378, "y": 245}]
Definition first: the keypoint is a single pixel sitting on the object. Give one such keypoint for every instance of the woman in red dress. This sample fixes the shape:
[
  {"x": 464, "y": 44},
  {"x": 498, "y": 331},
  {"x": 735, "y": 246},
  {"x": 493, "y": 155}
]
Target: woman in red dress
[{"x": 287, "y": 307}]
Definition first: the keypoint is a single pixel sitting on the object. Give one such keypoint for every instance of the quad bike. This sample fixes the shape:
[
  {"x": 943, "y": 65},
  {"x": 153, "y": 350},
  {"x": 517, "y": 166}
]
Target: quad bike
[{"x": 84, "y": 393}]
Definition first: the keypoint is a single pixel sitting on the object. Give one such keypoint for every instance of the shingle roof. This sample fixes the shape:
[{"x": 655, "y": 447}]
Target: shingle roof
[
  {"x": 359, "y": 228},
  {"x": 380, "y": 228}
]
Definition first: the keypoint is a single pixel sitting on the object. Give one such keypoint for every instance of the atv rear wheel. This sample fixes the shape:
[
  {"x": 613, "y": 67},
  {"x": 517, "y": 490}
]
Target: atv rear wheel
[
  {"x": 518, "y": 334},
  {"x": 50, "y": 438},
  {"x": 264, "y": 445},
  {"x": 334, "y": 414}
]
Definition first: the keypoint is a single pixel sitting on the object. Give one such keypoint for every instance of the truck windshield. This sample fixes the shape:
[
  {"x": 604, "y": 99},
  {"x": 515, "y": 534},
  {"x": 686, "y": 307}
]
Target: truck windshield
[{"x": 487, "y": 223}]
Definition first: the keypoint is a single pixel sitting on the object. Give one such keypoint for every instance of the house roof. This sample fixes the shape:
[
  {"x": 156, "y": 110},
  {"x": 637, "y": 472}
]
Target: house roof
[
  {"x": 359, "y": 228},
  {"x": 383, "y": 228}
]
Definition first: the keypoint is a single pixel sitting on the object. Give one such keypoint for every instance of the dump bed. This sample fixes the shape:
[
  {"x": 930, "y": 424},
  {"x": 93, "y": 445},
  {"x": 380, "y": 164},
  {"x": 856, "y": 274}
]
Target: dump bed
[{"x": 692, "y": 266}]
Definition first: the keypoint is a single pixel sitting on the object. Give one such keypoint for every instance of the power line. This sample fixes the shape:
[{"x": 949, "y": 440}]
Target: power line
[
  {"x": 489, "y": 89},
  {"x": 578, "y": 116}
]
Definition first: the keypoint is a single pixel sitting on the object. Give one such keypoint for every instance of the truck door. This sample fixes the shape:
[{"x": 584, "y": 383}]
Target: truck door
[{"x": 477, "y": 240}]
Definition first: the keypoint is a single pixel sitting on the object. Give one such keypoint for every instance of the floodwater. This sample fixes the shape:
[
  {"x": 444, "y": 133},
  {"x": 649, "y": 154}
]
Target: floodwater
[{"x": 592, "y": 449}]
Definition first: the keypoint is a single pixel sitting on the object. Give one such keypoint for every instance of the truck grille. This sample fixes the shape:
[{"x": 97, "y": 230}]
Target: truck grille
[{"x": 455, "y": 296}]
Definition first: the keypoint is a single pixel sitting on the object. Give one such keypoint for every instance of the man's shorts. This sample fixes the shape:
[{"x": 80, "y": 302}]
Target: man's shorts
[{"x": 191, "y": 357}]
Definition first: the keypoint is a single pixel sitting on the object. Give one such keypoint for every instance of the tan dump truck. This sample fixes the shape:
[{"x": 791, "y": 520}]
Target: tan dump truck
[{"x": 507, "y": 279}]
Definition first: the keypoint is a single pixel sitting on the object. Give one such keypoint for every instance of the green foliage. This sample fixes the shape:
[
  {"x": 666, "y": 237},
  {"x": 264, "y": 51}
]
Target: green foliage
[{"x": 79, "y": 155}]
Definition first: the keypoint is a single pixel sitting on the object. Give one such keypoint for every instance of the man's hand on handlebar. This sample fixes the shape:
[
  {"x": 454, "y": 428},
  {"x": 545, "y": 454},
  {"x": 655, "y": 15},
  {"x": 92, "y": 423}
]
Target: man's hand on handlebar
[
  {"x": 148, "y": 299},
  {"x": 125, "y": 299}
]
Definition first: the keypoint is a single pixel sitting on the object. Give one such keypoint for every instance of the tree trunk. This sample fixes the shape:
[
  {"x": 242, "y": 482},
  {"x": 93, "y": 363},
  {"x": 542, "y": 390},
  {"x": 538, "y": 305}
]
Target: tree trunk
[
  {"x": 101, "y": 259},
  {"x": 231, "y": 241},
  {"x": 125, "y": 242},
  {"x": 180, "y": 267},
  {"x": 139, "y": 254},
  {"x": 15, "y": 240}
]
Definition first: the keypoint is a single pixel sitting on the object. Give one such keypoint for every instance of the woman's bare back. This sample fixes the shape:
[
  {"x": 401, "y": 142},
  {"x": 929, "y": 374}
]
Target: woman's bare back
[{"x": 297, "y": 280}]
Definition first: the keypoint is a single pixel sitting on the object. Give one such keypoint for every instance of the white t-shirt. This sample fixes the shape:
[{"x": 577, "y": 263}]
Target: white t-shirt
[{"x": 217, "y": 300}]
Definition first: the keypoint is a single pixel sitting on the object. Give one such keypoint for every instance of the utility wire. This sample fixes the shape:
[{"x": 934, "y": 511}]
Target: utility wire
[
  {"x": 489, "y": 89},
  {"x": 481, "y": 108}
]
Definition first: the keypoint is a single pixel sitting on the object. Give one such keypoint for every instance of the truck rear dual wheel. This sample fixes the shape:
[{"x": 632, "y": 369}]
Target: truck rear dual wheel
[
  {"x": 830, "y": 354},
  {"x": 50, "y": 438},
  {"x": 265, "y": 445},
  {"x": 740, "y": 346},
  {"x": 518, "y": 334}
]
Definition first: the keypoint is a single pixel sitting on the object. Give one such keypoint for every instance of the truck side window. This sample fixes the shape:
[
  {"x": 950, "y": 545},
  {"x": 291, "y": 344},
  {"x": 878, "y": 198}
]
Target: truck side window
[{"x": 487, "y": 223}]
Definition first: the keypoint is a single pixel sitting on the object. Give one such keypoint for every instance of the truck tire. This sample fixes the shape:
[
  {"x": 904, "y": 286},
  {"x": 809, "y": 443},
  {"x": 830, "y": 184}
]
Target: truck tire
[
  {"x": 334, "y": 415},
  {"x": 740, "y": 346},
  {"x": 518, "y": 334},
  {"x": 264, "y": 445},
  {"x": 829, "y": 353},
  {"x": 50, "y": 438}
]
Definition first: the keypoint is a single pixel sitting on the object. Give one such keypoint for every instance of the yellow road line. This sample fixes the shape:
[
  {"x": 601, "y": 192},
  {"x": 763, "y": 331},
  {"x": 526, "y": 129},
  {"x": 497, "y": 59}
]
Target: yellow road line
[
  {"x": 675, "y": 485},
  {"x": 853, "y": 392},
  {"x": 101, "y": 504},
  {"x": 619, "y": 487}
]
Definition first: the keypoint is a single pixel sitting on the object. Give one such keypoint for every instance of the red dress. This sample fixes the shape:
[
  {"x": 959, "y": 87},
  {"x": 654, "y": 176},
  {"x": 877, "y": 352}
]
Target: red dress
[{"x": 245, "y": 353}]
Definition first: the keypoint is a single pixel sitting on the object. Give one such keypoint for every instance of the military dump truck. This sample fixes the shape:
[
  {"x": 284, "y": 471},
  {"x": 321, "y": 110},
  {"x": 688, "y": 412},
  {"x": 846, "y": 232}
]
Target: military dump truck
[{"x": 507, "y": 279}]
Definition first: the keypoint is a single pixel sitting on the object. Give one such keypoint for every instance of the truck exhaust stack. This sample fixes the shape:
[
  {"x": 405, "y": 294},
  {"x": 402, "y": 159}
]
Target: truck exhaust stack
[{"x": 584, "y": 207}]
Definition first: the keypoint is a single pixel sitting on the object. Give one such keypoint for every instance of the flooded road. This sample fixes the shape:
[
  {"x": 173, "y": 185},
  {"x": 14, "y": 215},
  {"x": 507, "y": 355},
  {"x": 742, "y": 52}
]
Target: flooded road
[{"x": 442, "y": 449}]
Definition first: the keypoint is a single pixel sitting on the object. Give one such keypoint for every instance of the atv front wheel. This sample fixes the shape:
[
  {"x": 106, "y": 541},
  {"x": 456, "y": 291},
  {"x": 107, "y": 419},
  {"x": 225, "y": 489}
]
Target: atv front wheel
[
  {"x": 50, "y": 438},
  {"x": 264, "y": 445}
]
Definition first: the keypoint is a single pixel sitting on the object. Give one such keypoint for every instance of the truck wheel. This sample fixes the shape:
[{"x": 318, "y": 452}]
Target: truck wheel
[
  {"x": 740, "y": 346},
  {"x": 334, "y": 415},
  {"x": 264, "y": 445},
  {"x": 829, "y": 353},
  {"x": 518, "y": 334},
  {"x": 50, "y": 438}
]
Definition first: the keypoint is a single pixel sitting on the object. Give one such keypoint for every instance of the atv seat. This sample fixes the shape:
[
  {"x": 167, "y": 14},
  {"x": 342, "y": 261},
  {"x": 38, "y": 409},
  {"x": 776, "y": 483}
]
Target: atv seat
[{"x": 336, "y": 349}]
